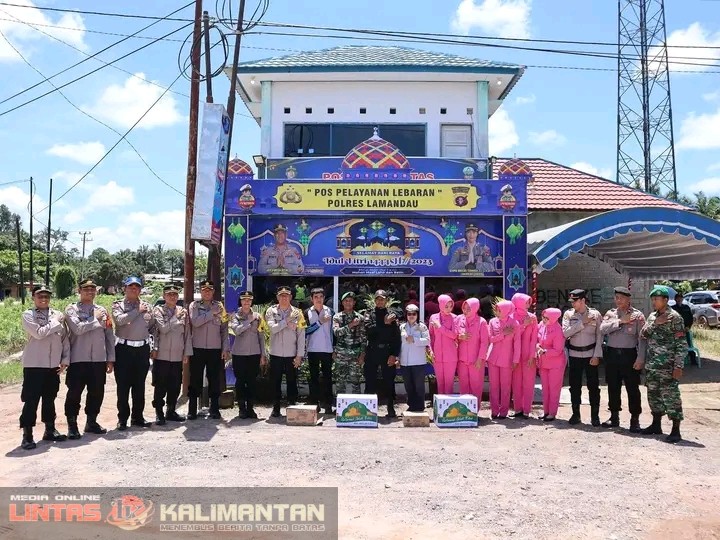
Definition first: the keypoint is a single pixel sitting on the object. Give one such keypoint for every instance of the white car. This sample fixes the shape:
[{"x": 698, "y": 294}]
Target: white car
[{"x": 705, "y": 306}]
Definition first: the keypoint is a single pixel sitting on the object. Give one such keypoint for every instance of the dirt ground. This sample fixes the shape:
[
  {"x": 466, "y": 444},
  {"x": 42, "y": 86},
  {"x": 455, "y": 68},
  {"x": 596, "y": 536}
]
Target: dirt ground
[{"x": 505, "y": 479}]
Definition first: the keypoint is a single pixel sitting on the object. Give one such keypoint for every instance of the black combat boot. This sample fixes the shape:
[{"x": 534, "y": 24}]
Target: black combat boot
[
  {"x": 92, "y": 426},
  {"x": 391, "y": 409},
  {"x": 250, "y": 411},
  {"x": 635, "y": 423},
  {"x": 215, "y": 409},
  {"x": 192, "y": 408},
  {"x": 675, "y": 433},
  {"x": 173, "y": 416},
  {"x": 160, "y": 416},
  {"x": 613, "y": 421},
  {"x": 656, "y": 427},
  {"x": 73, "y": 431},
  {"x": 575, "y": 418},
  {"x": 276, "y": 411},
  {"x": 595, "y": 415},
  {"x": 28, "y": 443},
  {"x": 140, "y": 422},
  {"x": 52, "y": 434},
  {"x": 242, "y": 411}
]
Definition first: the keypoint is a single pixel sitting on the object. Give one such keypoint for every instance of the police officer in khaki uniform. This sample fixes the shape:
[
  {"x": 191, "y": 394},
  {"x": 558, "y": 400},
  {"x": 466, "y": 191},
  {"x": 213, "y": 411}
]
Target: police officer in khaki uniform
[
  {"x": 581, "y": 326},
  {"x": 623, "y": 357},
  {"x": 46, "y": 355},
  {"x": 172, "y": 346},
  {"x": 133, "y": 325},
  {"x": 209, "y": 322},
  {"x": 92, "y": 357},
  {"x": 280, "y": 258}
]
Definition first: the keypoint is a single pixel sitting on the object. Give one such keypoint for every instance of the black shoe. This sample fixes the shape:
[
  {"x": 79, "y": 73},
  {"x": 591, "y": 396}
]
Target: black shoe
[
  {"x": 192, "y": 408},
  {"x": 275, "y": 412},
  {"x": 548, "y": 418},
  {"x": 91, "y": 426},
  {"x": 160, "y": 417},
  {"x": 214, "y": 409},
  {"x": 173, "y": 416},
  {"x": 635, "y": 424},
  {"x": 656, "y": 427},
  {"x": 612, "y": 422},
  {"x": 675, "y": 433},
  {"x": 391, "y": 412},
  {"x": 243, "y": 414},
  {"x": 329, "y": 409},
  {"x": 28, "y": 443},
  {"x": 252, "y": 414},
  {"x": 140, "y": 422},
  {"x": 574, "y": 419},
  {"x": 493, "y": 416},
  {"x": 518, "y": 414},
  {"x": 52, "y": 434},
  {"x": 121, "y": 426},
  {"x": 73, "y": 431},
  {"x": 595, "y": 415}
]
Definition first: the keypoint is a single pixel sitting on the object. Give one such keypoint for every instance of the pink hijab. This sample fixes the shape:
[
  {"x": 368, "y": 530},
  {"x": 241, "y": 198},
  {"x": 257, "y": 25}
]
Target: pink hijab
[
  {"x": 520, "y": 301},
  {"x": 474, "y": 304},
  {"x": 552, "y": 314},
  {"x": 505, "y": 309}
]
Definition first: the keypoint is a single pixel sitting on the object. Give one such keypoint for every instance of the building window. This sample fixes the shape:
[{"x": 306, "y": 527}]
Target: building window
[
  {"x": 308, "y": 110},
  {"x": 469, "y": 111},
  {"x": 331, "y": 110},
  {"x": 287, "y": 110},
  {"x": 421, "y": 110},
  {"x": 393, "y": 110},
  {"x": 443, "y": 111},
  {"x": 363, "y": 110},
  {"x": 322, "y": 140}
]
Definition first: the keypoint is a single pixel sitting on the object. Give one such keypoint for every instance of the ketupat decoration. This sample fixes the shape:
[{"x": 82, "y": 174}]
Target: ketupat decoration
[
  {"x": 515, "y": 231},
  {"x": 237, "y": 232}
]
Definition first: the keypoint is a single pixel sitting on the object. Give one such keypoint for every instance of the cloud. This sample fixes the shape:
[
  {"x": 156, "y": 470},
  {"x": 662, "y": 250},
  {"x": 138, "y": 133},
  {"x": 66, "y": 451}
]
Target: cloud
[
  {"x": 17, "y": 26},
  {"x": 712, "y": 96},
  {"x": 525, "y": 100},
  {"x": 69, "y": 177},
  {"x": 73, "y": 216},
  {"x": 710, "y": 186},
  {"x": 110, "y": 195},
  {"x": 123, "y": 105},
  {"x": 548, "y": 137},
  {"x": 591, "y": 169},
  {"x": 706, "y": 51},
  {"x": 87, "y": 153},
  {"x": 502, "y": 18},
  {"x": 503, "y": 135},
  {"x": 143, "y": 228},
  {"x": 713, "y": 167},
  {"x": 700, "y": 131},
  {"x": 17, "y": 199}
]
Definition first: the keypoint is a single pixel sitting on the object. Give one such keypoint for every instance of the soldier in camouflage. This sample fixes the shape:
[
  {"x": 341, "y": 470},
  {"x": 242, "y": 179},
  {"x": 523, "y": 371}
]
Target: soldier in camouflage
[
  {"x": 664, "y": 334},
  {"x": 350, "y": 344}
]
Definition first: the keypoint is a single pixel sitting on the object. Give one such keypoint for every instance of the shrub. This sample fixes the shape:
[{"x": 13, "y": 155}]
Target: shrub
[{"x": 65, "y": 281}]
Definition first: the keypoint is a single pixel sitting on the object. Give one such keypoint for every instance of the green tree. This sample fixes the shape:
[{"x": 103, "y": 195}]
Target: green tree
[
  {"x": 65, "y": 281},
  {"x": 707, "y": 206},
  {"x": 175, "y": 261}
]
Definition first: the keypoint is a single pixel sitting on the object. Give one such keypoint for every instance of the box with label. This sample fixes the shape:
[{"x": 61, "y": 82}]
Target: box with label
[
  {"x": 357, "y": 410},
  {"x": 455, "y": 410},
  {"x": 301, "y": 415},
  {"x": 416, "y": 419}
]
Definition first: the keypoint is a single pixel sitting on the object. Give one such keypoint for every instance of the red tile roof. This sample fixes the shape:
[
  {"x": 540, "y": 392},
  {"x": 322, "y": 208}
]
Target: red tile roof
[{"x": 557, "y": 187}]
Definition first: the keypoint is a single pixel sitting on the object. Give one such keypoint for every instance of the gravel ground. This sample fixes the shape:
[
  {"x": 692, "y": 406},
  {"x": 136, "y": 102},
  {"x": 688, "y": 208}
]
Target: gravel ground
[{"x": 507, "y": 479}]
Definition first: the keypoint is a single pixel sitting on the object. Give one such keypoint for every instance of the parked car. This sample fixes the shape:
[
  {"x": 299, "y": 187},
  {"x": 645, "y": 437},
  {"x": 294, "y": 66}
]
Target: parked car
[{"x": 705, "y": 306}]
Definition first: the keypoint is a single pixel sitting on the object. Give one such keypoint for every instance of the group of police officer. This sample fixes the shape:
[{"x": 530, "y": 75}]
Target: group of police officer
[{"x": 81, "y": 341}]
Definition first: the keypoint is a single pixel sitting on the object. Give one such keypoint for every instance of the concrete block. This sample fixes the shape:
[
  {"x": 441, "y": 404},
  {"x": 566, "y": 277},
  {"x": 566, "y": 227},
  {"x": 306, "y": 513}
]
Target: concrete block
[
  {"x": 227, "y": 399},
  {"x": 302, "y": 415},
  {"x": 416, "y": 419}
]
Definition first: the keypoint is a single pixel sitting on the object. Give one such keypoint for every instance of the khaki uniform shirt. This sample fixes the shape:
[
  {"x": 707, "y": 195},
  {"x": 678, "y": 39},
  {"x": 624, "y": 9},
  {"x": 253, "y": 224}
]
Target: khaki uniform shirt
[
  {"x": 130, "y": 324},
  {"x": 91, "y": 339},
  {"x": 249, "y": 337},
  {"x": 48, "y": 343},
  {"x": 209, "y": 326},
  {"x": 172, "y": 338},
  {"x": 285, "y": 342},
  {"x": 624, "y": 336},
  {"x": 583, "y": 335}
]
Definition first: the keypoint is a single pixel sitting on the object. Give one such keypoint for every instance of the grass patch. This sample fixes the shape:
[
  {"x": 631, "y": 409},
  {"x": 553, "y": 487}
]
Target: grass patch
[
  {"x": 708, "y": 341},
  {"x": 10, "y": 372}
]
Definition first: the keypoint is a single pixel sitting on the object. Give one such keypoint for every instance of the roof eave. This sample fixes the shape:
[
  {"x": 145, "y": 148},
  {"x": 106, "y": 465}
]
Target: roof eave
[{"x": 493, "y": 70}]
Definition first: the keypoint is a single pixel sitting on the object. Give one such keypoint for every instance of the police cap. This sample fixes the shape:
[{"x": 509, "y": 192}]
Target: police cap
[
  {"x": 87, "y": 283},
  {"x": 577, "y": 294},
  {"x": 41, "y": 289},
  {"x": 284, "y": 289},
  {"x": 207, "y": 284},
  {"x": 622, "y": 290}
]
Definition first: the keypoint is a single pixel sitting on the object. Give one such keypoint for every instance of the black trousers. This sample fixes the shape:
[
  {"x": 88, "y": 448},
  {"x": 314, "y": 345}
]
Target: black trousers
[
  {"x": 618, "y": 371},
  {"x": 374, "y": 358},
  {"x": 38, "y": 383},
  {"x": 414, "y": 380},
  {"x": 578, "y": 366},
  {"x": 246, "y": 369},
  {"x": 318, "y": 361},
  {"x": 131, "y": 369},
  {"x": 202, "y": 359},
  {"x": 82, "y": 375},
  {"x": 166, "y": 380},
  {"x": 280, "y": 365}
]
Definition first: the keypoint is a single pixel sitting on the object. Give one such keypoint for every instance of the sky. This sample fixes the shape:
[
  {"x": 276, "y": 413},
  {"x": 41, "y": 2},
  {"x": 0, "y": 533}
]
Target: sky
[{"x": 560, "y": 110}]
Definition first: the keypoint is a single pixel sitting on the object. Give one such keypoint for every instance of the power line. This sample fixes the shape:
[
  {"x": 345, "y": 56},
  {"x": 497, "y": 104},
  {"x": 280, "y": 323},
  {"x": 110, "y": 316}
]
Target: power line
[
  {"x": 98, "y": 13},
  {"x": 89, "y": 73},
  {"x": 46, "y": 79}
]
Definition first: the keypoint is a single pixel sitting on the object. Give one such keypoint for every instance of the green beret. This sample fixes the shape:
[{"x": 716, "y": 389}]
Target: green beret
[{"x": 660, "y": 290}]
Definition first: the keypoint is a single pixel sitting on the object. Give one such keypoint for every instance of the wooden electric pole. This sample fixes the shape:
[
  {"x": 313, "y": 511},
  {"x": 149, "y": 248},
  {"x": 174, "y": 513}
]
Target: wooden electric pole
[
  {"x": 47, "y": 245},
  {"x": 20, "y": 268}
]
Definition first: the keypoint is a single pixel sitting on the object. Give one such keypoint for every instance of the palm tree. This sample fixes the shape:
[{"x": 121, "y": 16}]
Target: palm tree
[{"x": 707, "y": 206}]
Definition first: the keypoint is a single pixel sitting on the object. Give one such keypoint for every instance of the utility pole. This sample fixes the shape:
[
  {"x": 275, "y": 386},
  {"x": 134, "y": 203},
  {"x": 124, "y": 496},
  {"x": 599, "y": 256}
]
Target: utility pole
[
  {"x": 32, "y": 268},
  {"x": 189, "y": 259},
  {"x": 47, "y": 246},
  {"x": 20, "y": 268},
  {"x": 82, "y": 260},
  {"x": 214, "y": 257}
]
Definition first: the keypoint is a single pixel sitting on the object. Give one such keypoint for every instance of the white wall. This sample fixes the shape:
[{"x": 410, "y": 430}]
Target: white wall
[{"x": 377, "y": 97}]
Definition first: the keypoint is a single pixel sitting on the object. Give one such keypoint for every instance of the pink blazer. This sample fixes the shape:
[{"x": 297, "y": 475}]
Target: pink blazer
[
  {"x": 504, "y": 349},
  {"x": 552, "y": 340},
  {"x": 528, "y": 336},
  {"x": 443, "y": 340},
  {"x": 476, "y": 346}
]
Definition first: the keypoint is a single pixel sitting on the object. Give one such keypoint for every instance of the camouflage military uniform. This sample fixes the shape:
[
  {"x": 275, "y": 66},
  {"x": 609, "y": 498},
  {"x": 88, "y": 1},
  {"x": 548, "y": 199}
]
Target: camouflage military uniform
[
  {"x": 666, "y": 350},
  {"x": 350, "y": 343}
]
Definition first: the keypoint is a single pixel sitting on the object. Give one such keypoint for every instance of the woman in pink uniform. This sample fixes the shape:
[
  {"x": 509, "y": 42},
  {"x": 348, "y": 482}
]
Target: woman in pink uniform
[
  {"x": 504, "y": 354},
  {"x": 523, "y": 380},
  {"x": 443, "y": 340},
  {"x": 551, "y": 360},
  {"x": 473, "y": 342}
]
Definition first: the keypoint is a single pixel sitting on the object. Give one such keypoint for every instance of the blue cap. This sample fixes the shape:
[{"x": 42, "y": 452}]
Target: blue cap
[{"x": 133, "y": 280}]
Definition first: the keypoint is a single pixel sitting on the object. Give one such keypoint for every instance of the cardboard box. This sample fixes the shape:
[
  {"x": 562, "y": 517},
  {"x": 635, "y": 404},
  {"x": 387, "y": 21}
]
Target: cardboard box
[
  {"x": 357, "y": 410},
  {"x": 301, "y": 415},
  {"x": 416, "y": 419},
  {"x": 455, "y": 410}
]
